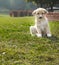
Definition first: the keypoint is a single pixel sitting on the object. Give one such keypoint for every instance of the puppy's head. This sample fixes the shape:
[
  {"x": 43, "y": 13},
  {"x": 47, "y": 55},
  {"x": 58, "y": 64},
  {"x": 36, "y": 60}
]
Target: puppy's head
[{"x": 40, "y": 13}]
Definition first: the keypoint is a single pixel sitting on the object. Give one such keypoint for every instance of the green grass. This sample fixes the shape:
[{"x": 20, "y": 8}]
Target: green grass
[{"x": 18, "y": 47}]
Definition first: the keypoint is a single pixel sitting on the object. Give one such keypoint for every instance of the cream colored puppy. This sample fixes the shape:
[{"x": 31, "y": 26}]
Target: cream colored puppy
[{"x": 41, "y": 23}]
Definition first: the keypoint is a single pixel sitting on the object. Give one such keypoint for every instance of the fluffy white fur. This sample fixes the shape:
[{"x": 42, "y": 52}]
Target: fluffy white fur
[{"x": 41, "y": 23}]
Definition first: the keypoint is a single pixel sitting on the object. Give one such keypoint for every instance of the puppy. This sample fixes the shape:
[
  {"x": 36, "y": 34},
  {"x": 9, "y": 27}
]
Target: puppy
[{"x": 41, "y": 23}]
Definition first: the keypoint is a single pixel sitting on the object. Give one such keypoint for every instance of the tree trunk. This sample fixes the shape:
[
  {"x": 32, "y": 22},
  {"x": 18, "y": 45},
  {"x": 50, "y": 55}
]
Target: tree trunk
[
  {"x": 51, "y": 5},
  {"x": 52, "y": 8}
]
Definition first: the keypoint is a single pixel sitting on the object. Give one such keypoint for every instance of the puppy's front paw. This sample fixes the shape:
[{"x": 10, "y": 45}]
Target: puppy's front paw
[
  {"x": 39, "y": 35},
  {"x": 49, "y": 35}
]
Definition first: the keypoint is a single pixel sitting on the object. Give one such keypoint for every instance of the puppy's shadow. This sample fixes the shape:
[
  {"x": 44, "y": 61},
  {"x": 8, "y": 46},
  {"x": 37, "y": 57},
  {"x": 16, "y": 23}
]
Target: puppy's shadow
[{"x": 54, "y": 39}]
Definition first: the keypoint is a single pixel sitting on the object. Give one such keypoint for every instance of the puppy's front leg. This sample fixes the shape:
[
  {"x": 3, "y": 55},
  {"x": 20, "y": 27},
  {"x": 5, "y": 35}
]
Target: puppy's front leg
[{"x": 39, "y": 33}]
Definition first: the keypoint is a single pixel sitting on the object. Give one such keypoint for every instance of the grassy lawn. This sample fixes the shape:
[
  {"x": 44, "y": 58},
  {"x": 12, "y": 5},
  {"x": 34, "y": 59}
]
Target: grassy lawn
[{"x": 18, "y": 47}]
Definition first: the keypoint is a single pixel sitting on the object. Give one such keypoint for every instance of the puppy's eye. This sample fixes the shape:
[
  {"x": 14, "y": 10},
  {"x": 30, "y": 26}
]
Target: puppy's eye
[
  {"x": 37, "y": 13},
  {"x": 42, "y": 13}
]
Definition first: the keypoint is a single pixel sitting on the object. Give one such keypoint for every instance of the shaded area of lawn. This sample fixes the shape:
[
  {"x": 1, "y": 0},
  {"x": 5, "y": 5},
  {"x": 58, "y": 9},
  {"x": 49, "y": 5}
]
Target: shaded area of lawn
[{"x": 18, "y": 47}]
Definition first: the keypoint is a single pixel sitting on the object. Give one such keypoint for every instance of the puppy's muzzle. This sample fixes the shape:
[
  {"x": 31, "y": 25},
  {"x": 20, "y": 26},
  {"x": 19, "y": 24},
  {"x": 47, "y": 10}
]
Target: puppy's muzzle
[{"x": 40, "y": 17}]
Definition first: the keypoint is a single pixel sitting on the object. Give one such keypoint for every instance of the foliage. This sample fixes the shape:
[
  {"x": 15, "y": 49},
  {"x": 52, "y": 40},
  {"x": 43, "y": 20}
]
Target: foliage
[{"x": 48, "y": 3}]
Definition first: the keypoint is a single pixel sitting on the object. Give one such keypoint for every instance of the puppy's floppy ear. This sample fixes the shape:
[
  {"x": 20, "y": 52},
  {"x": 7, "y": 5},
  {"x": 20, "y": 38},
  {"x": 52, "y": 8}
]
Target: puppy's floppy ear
[
  {"x": 34, "y": 12},
  {"x": 45, "y": 11}
]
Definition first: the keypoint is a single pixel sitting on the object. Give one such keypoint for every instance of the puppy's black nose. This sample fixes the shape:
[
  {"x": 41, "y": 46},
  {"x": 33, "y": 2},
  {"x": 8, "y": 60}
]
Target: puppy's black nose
[{"x": 40, "y": 17}]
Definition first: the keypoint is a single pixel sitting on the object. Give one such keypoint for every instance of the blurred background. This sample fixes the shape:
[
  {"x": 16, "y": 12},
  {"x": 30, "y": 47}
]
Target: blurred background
[{"x": 8, "y": 5}]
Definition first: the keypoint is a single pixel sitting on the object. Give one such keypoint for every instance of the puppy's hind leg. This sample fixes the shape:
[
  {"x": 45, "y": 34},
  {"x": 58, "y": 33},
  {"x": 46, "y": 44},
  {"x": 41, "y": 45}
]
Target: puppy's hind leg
[
  {"x": 48, "y": 31},
  {"x": 33, "y": 30}
]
